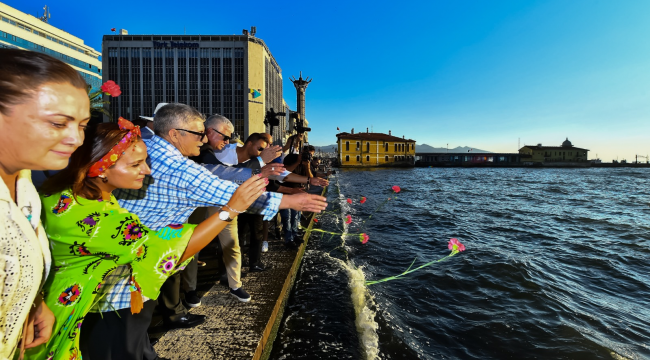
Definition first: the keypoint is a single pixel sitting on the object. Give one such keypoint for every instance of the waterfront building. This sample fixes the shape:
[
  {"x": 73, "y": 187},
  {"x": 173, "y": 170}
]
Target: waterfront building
[
  {"x": 566, "y": 153},
  {"x": 374, "y": 149},
  {"x": 232, "y": 75},
  {"x": 466, "y": 159},
  {"x": 23, "y": 31}
]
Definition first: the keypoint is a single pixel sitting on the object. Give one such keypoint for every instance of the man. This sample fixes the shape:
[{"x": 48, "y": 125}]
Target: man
[
  {"x": 177, "y": 185},
  {"x": 147, "y": 129}
]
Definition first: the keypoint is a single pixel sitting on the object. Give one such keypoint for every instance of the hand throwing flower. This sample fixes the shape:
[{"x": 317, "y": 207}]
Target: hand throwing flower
[
  {"x": 348, "y": 219},
  {"x": 396, "y": 189},
  {"x": 349, "y": 201},
  {"x": 363, "y": 200},
  {"x": 455, "y": 246}
]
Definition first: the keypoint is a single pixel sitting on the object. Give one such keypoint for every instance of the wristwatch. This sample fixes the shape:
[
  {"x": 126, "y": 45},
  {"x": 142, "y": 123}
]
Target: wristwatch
[{"x": 225, "y": 216}]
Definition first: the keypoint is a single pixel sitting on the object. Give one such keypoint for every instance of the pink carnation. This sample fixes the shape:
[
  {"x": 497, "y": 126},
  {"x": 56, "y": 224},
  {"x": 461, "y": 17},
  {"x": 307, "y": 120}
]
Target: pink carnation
[
  {"x": 455, "y": 245},
  {"x": 396, "y": 189},
  {"x": 364, "y": 238}
]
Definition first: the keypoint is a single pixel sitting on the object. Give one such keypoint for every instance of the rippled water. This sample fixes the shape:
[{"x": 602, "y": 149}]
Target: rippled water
[{"x": 556, "y": 267}]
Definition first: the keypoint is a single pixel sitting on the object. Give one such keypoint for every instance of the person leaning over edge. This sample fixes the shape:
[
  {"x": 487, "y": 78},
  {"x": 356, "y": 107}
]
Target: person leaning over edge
[
  {"x": 44, "y": 108},
  {"x": 177, "y": 185},
  {"x": 92, "y": 236}
]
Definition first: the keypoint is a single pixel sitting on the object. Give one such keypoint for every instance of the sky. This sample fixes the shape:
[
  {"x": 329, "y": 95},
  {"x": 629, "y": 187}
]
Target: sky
[{"x": 484, "y": 74}]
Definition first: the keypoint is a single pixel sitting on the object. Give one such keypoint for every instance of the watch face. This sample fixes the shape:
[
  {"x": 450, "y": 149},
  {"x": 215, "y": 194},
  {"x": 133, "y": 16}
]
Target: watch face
[{"x": 224, "y": 216}]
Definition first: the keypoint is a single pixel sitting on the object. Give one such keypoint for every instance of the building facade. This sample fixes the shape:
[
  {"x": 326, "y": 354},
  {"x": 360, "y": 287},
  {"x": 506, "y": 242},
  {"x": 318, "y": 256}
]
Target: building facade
[
  {"x": 567, "y": 153},
  {"x": 374, "y": 149},
  {"x": 23, "y": 31},
  {"x": 235, "y": 76},
  {"x": 466, "y": 159}
]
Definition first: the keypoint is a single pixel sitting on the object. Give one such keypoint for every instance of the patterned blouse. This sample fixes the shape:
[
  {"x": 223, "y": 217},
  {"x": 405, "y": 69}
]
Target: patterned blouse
[
  {"x": 24, "y": 259},
  {"x": 90, "y": 239}
]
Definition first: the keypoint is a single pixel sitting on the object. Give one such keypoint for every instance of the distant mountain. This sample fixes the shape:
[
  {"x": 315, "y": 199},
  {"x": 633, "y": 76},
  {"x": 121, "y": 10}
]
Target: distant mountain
[
  {"x": 326, "y": 148},
  {"x": 459, "y": 149}
]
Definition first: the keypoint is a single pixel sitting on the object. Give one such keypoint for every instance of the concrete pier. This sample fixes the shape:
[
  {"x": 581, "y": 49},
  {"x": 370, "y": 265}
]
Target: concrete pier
[{"x": 236, "y": 330}]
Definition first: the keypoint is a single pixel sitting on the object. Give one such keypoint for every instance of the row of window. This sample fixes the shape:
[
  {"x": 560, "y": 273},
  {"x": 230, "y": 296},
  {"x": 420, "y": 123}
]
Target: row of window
[
  {"x": 560, "y": 153},
  {"x": 208, "y": 79},
  {"x": 395, "y": 158},
  {"x": 44, "y": 35},
  {"x": 398, "y": 147},
  {"x": 32, "y": 46}
]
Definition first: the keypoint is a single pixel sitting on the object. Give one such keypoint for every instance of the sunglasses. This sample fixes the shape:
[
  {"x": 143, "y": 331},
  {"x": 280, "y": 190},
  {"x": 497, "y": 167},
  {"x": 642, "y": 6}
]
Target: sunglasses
[
  {"x": 225, "y": 137},
  {"x": 201, "y": 134}
]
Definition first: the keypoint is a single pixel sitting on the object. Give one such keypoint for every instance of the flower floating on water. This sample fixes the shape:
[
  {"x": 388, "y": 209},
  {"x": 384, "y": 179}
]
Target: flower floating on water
[
  {"x": 348, "y": 219},
  {"x": 364, "y": 238},
  {"x": 363, "y": 200},
  {"x": 455, "y": 246},
  {"x": 396, "y": 189},
  {"x": 349, "y": 201}
]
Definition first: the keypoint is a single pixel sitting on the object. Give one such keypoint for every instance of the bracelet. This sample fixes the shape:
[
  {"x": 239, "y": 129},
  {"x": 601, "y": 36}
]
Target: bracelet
[{"x": 233, "y": 210}]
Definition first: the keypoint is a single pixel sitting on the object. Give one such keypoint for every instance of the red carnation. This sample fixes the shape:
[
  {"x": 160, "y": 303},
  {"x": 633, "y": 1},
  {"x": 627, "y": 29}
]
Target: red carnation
[
  {"x": 111, "y": 88},
  {"x": 315, "y": 220},
  {"x": 349, "y": 201},
  {"x": 364, "y": 238},
  {"x": 396, "y": 189},
  {"x": 348, "y": 219},
  {"x": 363, "y": 200}
]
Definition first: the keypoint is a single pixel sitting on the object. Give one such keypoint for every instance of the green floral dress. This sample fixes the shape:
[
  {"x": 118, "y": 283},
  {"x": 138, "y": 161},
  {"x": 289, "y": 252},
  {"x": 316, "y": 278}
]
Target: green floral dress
[{"x": 89, "y": 239}]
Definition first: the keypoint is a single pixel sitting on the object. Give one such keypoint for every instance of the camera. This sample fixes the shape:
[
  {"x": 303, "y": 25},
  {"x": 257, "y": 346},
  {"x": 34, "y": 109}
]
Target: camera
[
  {"x": 298, "y": 124},
  {"x": 306, "y": 156},
  {"x": 271, "y": 119}
]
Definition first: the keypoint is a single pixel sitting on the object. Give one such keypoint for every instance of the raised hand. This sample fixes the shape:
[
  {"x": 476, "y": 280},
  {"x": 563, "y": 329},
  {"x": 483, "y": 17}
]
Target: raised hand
[
  {"x": 271, "y": 153},
  {"x": 304, "y": 202},
  {"x": 247, "y": 192},
  {"x": 272, "y": 169}
]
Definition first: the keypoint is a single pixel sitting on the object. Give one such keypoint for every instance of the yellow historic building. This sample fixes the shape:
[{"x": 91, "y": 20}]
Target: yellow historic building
[
  {"x": 374, "y": 149},
  {"x": 553, "y": 154}
]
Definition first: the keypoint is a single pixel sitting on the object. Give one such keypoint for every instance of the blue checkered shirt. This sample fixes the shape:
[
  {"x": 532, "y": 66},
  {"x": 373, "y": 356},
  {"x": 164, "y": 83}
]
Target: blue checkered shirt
[{"x": 175, "y": 188}]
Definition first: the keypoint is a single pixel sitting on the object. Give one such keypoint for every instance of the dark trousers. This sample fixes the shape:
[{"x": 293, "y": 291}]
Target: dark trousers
[
  {"x": 169, "y": 301},
  {"x": 251, "y": 228},
  {"x": 118, "y": 335}
]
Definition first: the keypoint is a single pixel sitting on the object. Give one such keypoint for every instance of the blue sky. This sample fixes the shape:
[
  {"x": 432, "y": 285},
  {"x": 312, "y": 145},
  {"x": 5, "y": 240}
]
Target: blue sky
[{"x": 475, "y": 73}]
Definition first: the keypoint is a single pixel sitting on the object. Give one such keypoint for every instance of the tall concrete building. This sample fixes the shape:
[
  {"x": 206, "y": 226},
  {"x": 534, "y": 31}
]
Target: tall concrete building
[
  {"x": 232, "y": 75},
  {"x": 24, "y": 31}
]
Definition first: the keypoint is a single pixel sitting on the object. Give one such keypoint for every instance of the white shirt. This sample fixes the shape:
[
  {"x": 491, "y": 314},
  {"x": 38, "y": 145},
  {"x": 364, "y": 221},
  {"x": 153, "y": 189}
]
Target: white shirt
[
  {"x": 24, "y": 259},
  {"x": 227, "y": 155}
]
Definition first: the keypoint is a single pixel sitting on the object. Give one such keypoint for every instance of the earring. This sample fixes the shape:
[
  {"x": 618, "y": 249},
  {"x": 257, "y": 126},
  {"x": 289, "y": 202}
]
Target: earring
[{"x": 104, "y": 179}]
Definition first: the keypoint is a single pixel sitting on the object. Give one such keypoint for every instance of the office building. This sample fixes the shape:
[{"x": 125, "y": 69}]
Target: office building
[
  {"x": 24, "y": 31},
  {"x": 232, "y": 75}
]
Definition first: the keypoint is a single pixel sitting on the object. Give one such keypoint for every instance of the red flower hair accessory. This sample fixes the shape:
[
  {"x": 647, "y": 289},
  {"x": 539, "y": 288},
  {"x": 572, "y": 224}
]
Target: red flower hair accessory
[{"x": 116, "y": 152}]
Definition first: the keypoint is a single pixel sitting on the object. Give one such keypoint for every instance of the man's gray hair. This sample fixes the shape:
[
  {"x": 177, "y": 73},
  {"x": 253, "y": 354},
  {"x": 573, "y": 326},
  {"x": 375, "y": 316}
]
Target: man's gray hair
[
  {"x": 215, "y": 120},
  {"x": 174, "y": 116}
]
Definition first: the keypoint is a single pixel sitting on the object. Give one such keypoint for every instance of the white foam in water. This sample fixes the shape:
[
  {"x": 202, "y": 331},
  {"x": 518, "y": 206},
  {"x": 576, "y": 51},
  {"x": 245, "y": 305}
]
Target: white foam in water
[{"x": 361, "y": 299}]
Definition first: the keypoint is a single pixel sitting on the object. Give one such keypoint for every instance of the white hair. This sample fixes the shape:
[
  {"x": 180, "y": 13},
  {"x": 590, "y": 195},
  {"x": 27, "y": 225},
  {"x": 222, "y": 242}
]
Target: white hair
[{"x": 215, "y": 120}]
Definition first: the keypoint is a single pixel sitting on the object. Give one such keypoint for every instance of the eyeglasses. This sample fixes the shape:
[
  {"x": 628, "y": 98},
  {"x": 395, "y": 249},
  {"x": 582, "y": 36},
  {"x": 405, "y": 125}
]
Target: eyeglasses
[
  {"x": 225, "y": 137},
  {"x": 201, "y": 134}
]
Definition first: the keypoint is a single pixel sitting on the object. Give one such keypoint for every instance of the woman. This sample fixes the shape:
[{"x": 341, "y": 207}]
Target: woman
[
  {"x": 44, "y": 108},
  {"x": 91, "y": 235}
]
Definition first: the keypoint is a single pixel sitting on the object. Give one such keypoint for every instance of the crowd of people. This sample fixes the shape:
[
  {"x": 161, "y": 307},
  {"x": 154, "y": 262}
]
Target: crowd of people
[{"x": 115, "y": 227}]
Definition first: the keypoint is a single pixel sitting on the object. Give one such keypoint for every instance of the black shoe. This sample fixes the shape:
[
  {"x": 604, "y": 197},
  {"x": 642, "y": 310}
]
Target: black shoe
[
  {"x": 241, "y": 295},
  {"x": 192, "y": 300},
  {"x": 259, "y": 267},
  {"x": 183, "y": 321}
]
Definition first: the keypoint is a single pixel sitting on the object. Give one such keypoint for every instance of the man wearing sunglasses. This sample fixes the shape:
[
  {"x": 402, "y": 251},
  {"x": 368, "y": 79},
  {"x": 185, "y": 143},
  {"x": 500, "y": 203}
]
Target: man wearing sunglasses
[{"x": 177, "y": 186}]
